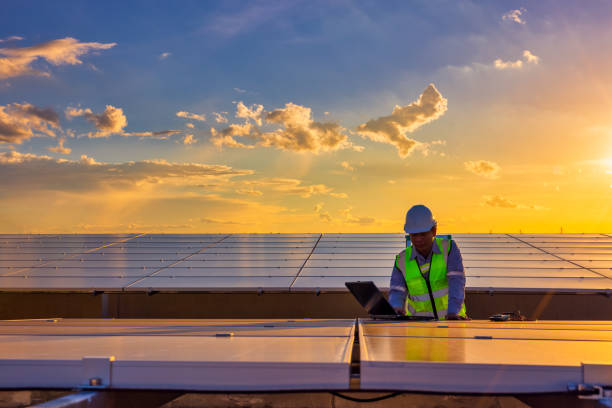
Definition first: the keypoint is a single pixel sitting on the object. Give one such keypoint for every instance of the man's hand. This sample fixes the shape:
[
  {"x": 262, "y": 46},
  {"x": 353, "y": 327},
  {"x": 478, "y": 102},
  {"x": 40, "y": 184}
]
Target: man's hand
[
  {"x": 455, "y": 316},
  {"x": 400, "y": 310}
]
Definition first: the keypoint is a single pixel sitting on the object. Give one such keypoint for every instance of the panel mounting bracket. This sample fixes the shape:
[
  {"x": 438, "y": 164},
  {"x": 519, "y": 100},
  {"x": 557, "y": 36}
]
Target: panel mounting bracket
[{"x": 97, "y": 372}]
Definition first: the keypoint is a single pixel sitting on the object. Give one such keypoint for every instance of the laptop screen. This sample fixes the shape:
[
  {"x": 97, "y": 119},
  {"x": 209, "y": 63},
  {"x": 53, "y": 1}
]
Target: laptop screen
[{"x": 372, "y": 299}]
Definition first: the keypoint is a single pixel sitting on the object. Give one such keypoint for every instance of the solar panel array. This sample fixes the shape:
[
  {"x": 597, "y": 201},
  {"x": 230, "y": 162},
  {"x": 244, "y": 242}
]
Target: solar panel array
[
  {"x": 207, "y": 355},
  {"x": 291, "y": 262},
  {"x": 305, "y": 354},
  {"x": 483, "y": 356}
]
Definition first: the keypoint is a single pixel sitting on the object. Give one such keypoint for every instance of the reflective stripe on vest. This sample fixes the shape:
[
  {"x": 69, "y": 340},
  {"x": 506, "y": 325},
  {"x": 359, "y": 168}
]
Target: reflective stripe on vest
[{"x": 418, "y": 301}]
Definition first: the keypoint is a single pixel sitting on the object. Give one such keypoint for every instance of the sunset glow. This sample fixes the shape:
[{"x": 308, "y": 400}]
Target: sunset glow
[{"x": 261, "y": 116}]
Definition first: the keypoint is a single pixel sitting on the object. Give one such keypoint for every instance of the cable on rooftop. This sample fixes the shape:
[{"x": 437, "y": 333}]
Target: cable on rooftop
[{"x": 354, "y": 399}]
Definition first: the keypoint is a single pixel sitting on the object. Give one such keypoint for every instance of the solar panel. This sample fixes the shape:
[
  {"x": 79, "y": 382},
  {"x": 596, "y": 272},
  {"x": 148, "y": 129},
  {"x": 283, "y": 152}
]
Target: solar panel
[
  {"x": 493, "y": 256},
  {"x": 336, "y": 256},
  {"x": 482, "y": 357},
  {"x": 349, "y": 263},
  {"x": 213, "y": 283},
  {"x": 335, "y": 283},
  {"x": 81, "y": 272},
  {"x": 348, "y": 272},
  {"x": 187, "y": 355},
  {"x": 63, "y": 283},
  {"x": 517, "y": 264},
  {"x": 534, "y": 284},
  {"x": 594, "y": 264},
  {"x": 532, "y": 272},
  {"x": 209, "y": 262},
  {"x": 350, "y": 250},
  {"x": 255, "y": 263},
  {"x": 247, "y": 256},
  {"x": 79, "y": 263},
  {"x": 227, "y": 271},
  {"x": 605, "y": 272},
  {"x": 514, "y": 250}
]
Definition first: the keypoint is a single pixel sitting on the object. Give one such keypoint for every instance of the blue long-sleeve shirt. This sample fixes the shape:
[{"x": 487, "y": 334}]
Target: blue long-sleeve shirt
[{"x": 454, "y": 273}]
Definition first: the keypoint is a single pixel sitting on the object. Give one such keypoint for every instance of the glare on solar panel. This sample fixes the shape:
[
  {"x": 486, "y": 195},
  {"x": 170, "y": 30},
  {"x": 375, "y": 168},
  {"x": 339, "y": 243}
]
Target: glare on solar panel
[
  {"x": 246, "y": 360},
  {"x": 440, "y": 357}
]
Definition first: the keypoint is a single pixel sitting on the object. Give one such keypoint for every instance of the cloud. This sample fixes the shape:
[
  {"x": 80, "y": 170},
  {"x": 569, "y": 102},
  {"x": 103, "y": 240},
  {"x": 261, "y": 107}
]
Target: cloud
[
  {"x": 189, "y": 125},
  {"x": 19, "y": 122},
  {"x": 254, "y": 112},
  {"x": 161, "y": 134},
  {"x": 225, "y": 137},
  {"x": 392, "y": 129},
  {"x": 515, "y": 16},
  {"x": 220, "y": 118},
  {"x": 240, "y": 90},
  {"x": 292, "y": 186},
  {"x": 29, "y": 172},
  {"x": 194, "y": 116},
  {"x": 164, "y": 55},
  {"x": 247, "y": 18},
  {"x": 324, "y": 215},
  {"x": 60, "y": 148},
  {"x": 298, "y": 132},
  {"x": 528, "y": 58},
  {"x": 111, "y": 121},
  {"x": 499, "y": 64},
  {"x": 345, "y": 165},
  {"x": 219, "y": 221},
  {"x": 133, "y": 226},
  {"x": 503, "y": 202},
  {"x": 249, "y": 191},
  {"x": 65, "y": 51},
  {"x": 188, "y": 140},
  {"x": 350, "y": 218},
  {"x": 483, "y": 168},
  {"x": 301, "y": 133},
  {"x": 11, "y": 38}
]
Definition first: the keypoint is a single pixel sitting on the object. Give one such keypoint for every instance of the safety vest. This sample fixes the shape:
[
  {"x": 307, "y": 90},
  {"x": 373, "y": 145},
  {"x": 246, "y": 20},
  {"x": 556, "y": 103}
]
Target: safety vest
[{"x": 422, "y": 290}]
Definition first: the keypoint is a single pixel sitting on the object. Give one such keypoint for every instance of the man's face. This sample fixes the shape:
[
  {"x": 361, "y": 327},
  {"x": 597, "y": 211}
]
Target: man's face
[{"x": 423, "y": 241}]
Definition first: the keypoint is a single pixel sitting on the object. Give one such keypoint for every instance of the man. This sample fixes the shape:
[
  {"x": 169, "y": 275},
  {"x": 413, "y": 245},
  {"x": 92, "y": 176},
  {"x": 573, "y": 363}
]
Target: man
[{"x": 428, "y": 278}]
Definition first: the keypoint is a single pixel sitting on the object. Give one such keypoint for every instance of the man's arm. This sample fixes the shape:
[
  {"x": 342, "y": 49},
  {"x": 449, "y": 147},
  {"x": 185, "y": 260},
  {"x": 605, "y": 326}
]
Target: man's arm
[
  {"x": 456, "y": 281},
  {"x": 398, "y": 291}
]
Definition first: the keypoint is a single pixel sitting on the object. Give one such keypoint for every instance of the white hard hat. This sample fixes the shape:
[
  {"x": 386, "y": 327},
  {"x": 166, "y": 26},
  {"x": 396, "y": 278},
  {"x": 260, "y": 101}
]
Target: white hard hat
[{"x": 419, "y": 219}]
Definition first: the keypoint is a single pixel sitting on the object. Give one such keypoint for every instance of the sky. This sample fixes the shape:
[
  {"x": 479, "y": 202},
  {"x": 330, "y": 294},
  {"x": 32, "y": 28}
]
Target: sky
[{"x": 305, "y": 116}]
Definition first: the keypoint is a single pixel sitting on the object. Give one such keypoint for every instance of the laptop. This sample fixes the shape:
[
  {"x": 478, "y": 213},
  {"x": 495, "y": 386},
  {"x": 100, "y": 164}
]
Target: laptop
[{"x": 375, "y": 303}]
